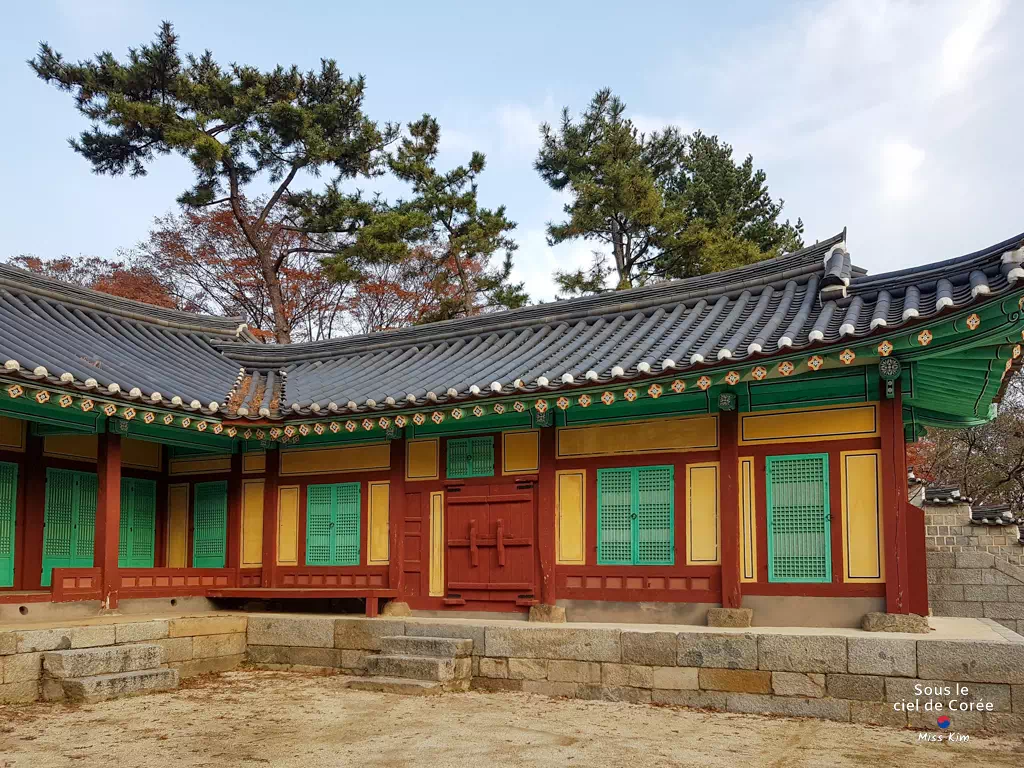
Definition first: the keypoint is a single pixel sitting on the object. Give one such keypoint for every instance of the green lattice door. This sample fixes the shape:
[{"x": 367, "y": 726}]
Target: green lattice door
[
  {"x": 8, "y": 510},
  {"x": 332, "y": 524},
  {"x": 69, "y": 521},
  {"x": 138, "y": 523},
  {"x": 799, "y": 532},
  {"x": 210, "y": 524},
  {"x": 636, "y": 516}
]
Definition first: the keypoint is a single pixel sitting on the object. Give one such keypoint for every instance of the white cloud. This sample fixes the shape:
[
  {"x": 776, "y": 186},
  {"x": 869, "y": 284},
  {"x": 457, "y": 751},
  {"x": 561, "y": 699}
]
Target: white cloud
[
  {"x": 899, "y": 163},
  {"x": 855, "y": 105},
  {"x": 536, "y": 262},
  {"x": 519, "y": 129},
  {"x": 964, "y": 45}
]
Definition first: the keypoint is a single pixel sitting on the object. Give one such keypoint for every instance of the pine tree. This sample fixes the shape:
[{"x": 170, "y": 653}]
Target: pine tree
[{"x": 666, "y": 205}]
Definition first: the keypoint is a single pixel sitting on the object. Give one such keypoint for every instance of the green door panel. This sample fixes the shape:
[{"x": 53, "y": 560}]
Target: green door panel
[
  {"x": 636, "y": 516},
  {"x": 138, "y": 523},
  {"x": 8, "y": 511},
  {"x": 799, "y": 538},
  {"x": 210, "y": 524},
  {"x": 69, "y": 521},
  {"x": 332, "y": 524}
]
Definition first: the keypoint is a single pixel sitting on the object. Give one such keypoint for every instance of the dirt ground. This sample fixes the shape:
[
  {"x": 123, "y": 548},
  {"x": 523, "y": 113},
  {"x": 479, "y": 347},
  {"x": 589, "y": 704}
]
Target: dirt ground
[{"x": 252, "y": 718}]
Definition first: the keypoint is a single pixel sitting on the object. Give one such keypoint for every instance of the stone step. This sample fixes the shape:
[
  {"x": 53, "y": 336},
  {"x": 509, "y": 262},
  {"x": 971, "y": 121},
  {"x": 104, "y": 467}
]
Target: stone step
[
  {"x": 419, "y": 667},
  {"x": 107, "y": 660},
  {"x": 100, "y": 687},
  {"x": 440, "y": 647},
  {"x": 407, "y": 687}
]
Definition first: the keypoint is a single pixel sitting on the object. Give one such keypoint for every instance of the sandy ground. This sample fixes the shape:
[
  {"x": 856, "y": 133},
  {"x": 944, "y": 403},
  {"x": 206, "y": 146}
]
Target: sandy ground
[{"x": 286, "y": 719}]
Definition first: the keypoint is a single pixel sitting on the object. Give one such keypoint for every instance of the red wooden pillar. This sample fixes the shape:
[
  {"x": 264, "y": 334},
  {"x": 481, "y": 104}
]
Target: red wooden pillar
[
  {"x": 546, "y": 514},
  {"x": 29, "y": 526},
  {"x": 396, "y": 517},
  {"x": 729, "y": 507},
  {"x": 894, "y": 499},
  {"x": 234, "y": 538},
  {"x": 271, "y": 480},
  {"x": 108, "y": 516}
]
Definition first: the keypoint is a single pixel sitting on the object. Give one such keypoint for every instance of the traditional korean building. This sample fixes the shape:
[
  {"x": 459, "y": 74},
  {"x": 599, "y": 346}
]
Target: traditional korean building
[{"x": 735, "y": 439}]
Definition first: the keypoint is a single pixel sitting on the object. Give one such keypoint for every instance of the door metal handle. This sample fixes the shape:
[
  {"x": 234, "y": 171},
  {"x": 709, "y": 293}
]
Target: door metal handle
[
  {"x": 500, "y": 536},
  {"x": 473, "y": 551}
]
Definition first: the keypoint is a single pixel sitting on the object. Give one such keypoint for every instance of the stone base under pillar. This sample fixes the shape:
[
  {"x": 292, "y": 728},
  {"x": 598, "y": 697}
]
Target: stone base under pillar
[
  {"x": 551, "y": 614},
  {"x": 730, "y": 617},
  {"x": 396, "y": 608},
  {"x": 895, "y": 622}
]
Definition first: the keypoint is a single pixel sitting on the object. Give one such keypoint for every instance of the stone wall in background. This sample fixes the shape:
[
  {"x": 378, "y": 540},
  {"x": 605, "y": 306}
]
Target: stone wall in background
[
  {"x": 947, "y": 528},
  {"x": 976, "y": 585}
]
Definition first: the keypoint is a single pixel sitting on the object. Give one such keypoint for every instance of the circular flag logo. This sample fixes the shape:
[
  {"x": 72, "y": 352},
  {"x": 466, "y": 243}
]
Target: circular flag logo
[{"x": 943, "y": 722}]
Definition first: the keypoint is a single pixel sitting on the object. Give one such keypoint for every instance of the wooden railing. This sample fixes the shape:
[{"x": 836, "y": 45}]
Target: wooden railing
[
  {"x": 70, "y": 584},
  {"x": 174, "y": 582},
  {"x": 325, "y": 577}
]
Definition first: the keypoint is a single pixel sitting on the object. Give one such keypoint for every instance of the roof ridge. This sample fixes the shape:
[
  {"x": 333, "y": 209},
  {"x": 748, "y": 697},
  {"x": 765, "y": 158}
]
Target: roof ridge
[{"x": 20, "y": 280}]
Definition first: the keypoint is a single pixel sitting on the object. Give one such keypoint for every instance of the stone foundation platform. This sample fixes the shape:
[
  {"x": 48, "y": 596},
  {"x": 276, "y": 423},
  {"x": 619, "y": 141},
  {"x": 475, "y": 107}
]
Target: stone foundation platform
[{"x": 846, "y": 675}]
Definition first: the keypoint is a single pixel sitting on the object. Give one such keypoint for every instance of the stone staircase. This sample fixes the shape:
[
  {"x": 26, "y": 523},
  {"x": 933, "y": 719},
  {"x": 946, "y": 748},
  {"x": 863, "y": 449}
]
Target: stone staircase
[
  {"x": 418, "y": 666},
  {"x": 94, "y": 674}
]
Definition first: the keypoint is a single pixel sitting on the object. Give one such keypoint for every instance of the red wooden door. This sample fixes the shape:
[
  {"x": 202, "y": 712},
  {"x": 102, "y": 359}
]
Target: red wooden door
[{"x": 491, "y": 552}]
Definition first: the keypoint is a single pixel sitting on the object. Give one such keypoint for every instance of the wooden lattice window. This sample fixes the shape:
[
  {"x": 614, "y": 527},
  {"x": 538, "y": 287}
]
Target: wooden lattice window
[
  {"x": 636, "y": 516},
  {"x": 799, "y": 540},
  {"x": 332, "y": 524},
  {"x": 210, "y": 525},
  {"x": 471, "y": 457},
  {"x": 138, "y": 523},
  {"x": 8, "y": 514},
  {"x": 69, "y": 520}
]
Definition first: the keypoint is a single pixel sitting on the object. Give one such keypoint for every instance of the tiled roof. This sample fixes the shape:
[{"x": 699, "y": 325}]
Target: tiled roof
[
  {"x": 796, "y": 302},
  {"x": 75, "y": 337},
  {"x": 800, "y": 301}
]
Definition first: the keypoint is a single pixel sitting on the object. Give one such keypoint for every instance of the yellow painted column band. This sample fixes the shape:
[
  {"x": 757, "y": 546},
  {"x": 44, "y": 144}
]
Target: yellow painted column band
[
  {"x": 288, "y": 525},
  {"x": 378, "y": 524},
  {"x": 177, "y": 526},
  {"x": 252, "y": 523},
  {"x": 570, "y": 506},
  {"x": 862, "y": 516},
  {"x": 748, "y": 521},
  {"x": 437, "y": 544},
  {"x": 702, "y": 532}
]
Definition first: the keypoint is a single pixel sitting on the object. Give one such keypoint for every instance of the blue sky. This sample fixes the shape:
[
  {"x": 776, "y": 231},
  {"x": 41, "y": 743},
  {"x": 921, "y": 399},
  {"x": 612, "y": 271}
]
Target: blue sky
[{"x": 899, "y": 120}]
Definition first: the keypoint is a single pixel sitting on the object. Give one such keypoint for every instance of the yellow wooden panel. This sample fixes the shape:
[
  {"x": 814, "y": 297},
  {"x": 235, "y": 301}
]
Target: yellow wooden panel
[
  {"x": 862, "y": 516},
  {"x": 702, "y": 530},
  {"x": 141, "y": 454},
  {"x": 12, "y": 434},
  {"x": 78, "y": 447},
  {"x": 320, "y": 461},
  {"x": 520, "y": 452},
  {"x": 571, "y": 511},
  {"x": 378, "y": 525},
  {"x": 288, "y": 525},
  {"x": 695, "y": 433},
  {"x": 748, "y": 521},
  {"x": 177, "y": 526},
  {"x": 436, "y": 544},
  {"x": 421, "y": 459},
  {"x": 252, "y": 523},
  {"x": 832, "y": 422},
  {"x": 254, "y": 462},
  {"x": 196, "y": 465}
]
